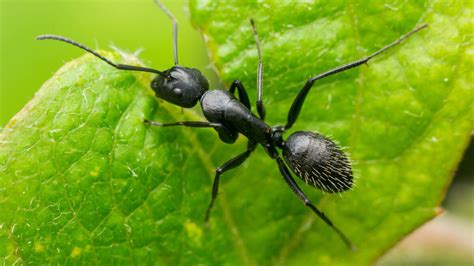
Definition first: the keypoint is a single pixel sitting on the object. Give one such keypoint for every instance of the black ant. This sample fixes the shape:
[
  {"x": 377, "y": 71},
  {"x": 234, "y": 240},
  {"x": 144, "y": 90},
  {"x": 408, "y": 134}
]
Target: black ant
[{"x": 312, "y": 157}]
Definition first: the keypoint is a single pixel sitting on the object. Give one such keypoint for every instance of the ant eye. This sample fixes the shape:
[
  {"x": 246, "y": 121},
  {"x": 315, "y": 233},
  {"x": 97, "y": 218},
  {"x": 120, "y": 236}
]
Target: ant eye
[
  {"x": 154, "y": 83},
  {"x": 177, "y": 92}
]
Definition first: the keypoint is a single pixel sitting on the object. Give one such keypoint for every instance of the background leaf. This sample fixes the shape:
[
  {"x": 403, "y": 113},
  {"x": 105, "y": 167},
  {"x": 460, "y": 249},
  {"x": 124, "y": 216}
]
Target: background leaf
[{"x": 83, "y": 180}]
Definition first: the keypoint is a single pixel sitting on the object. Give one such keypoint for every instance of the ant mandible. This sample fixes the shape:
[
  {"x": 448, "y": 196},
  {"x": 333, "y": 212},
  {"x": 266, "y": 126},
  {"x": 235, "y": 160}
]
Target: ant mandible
[{"x": 313, "y": 157}]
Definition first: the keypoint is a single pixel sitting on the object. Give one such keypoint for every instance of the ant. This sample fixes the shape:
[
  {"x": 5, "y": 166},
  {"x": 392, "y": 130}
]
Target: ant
[{"x": 312, "y": 157}]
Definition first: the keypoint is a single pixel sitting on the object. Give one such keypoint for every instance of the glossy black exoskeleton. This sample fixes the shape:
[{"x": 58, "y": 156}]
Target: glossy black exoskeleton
[
  {"x": 181, "y": 86},
  {"x": 312, "y": 157}
]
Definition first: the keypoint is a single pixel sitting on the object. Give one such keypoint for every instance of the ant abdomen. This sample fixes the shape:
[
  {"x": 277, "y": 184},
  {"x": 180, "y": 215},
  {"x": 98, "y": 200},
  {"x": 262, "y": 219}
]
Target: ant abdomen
[{"x": 318, "y": 161}]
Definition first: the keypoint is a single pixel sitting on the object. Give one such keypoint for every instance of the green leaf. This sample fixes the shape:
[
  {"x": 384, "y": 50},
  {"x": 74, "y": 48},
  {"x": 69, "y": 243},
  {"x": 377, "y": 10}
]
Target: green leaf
[
  {"x": 83, "y": 180},
  {"x": 405, "y": 118}
]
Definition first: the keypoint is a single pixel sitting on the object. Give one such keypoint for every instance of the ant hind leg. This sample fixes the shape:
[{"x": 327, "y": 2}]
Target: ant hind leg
[{"x": 285, "y": 172}]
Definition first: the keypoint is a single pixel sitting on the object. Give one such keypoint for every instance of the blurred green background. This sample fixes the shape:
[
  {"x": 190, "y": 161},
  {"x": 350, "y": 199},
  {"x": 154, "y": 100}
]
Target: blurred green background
[
  {"x": 25, "y": 64},
  {"x": 130, "y": 25}
]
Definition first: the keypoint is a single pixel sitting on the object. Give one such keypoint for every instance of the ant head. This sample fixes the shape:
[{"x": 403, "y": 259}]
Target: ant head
[{"x": 180, "y": 85}]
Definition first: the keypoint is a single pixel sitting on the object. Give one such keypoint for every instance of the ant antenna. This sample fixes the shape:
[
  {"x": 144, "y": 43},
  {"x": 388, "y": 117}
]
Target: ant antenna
[
  {"x": 401, "y": 39},
  {"x": 118, "y": 66},
  {"x": 175, "y": 30},
  {"x": 260, "y": 107}
]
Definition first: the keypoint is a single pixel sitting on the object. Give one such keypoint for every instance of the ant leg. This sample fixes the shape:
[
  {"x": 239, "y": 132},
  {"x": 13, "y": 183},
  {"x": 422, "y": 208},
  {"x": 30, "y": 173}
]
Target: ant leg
[
  {"x": 297, "y": 190},
  {"x": 230, "y": 164},
  {"x": 260, "y": 107},
  {"x": 243, "y": 96},
  {"x": 184, "y": 123},
  {"x": 83, "y": 47},
  {"x": 299, "y": 100},
  {"x": 175, "y": 29},
  {"x": 226, "y": 135}
]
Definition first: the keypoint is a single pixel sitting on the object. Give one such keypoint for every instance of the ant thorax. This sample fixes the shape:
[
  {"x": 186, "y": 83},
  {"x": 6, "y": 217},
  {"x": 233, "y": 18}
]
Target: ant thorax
[{"x": 220, "y": 106}]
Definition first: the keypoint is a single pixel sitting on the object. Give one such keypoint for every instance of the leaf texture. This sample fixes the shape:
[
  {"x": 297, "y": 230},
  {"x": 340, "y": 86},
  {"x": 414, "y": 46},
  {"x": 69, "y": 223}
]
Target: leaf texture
[{"x": 84, "y": 181}]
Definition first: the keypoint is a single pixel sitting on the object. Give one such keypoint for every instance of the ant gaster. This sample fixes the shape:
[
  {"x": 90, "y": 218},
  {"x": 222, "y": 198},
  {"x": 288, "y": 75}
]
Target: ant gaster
[{"x": 312, "y": 157}]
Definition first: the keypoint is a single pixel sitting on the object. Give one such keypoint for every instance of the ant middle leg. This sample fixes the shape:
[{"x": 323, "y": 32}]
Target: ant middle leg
[
  {"x": 299, "y": 100},
  {"x": 230, "y": 164}
]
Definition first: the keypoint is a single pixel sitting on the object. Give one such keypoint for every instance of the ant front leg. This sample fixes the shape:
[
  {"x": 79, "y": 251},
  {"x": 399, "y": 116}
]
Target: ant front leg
[
  {"x": 243, "y": 96},
  {"x": 183, "y": 123},
  {"x": 230, "y": 164}
]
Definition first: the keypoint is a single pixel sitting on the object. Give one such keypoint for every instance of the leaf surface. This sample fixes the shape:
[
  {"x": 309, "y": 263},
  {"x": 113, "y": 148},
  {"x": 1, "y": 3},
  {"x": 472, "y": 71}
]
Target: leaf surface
[
  {"x": 405, "y": 118},
  {"x": 83, "y": 180}
]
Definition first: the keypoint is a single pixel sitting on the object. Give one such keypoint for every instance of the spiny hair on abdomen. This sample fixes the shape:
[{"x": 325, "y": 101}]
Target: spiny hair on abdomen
[{"x": 318, "y": 161}]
